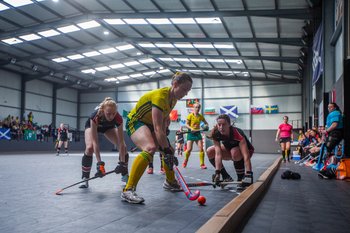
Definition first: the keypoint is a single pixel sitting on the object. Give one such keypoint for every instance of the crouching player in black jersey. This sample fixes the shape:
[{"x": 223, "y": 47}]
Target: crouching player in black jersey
[
  {"x": 105, "y": 119},
  {"x": 230, "y": 143}
]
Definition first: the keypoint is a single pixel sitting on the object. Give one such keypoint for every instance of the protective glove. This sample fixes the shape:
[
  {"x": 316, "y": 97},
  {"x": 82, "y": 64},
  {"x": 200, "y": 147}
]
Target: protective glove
[
  {"x": 205, "y": 128},
  {"x": 216, "y": 177},
  {"x": 100, "y": 168},
  {"x": 121, "y": 168},
  {"x": 169, "y": 157},
  {"x": 248, "y": 179}
]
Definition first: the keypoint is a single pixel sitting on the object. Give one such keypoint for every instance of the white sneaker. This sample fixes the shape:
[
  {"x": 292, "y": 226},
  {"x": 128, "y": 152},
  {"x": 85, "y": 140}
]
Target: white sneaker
[
  {"x": 84, "y": 185},
  {"x": 173, "y": 187},
  {"x": 131, "y": 197}
]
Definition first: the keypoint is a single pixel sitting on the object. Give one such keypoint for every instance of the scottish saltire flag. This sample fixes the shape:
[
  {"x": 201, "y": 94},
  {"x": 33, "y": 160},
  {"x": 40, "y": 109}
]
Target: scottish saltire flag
[
  {"x": 271, "y": 109},
  {"x": 231, "y": 111},
  {"x": 5, "y": 134},
  {"x": 257, "y": 110},
  {"x": 209, "y": 111}
]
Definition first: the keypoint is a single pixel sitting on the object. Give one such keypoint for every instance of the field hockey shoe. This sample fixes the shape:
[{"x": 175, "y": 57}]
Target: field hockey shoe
[
  {"x": 173, "y": 186},
  {"x": 84, "y": 185},
  {"x": 203, "y": 166},
  {"x": 184, "y": 164},
  {"x": 150, "y": 170},
  {"x": 131, "y": 197}
]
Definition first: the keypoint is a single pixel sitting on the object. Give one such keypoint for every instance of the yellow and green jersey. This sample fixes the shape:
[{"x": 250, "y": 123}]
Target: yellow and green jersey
[
  {"x": 158, "y": 98},
  {"x": 194, "y": 121}
]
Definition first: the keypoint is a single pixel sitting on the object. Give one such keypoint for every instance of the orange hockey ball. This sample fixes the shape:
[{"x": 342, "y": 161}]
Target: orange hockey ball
[{"x": 201, "y": 200}]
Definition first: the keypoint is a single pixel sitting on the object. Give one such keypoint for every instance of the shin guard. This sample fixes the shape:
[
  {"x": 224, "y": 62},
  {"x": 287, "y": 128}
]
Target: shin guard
[
  {"x": 239, "y": 167},
  {"x": 86, "y": 163}
]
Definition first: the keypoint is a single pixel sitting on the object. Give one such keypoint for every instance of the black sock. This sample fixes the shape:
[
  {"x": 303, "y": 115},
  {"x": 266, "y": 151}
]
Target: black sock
[
  {"x": 239, "y": 166},
  {"x": 283, "y": 155},
  {"x": 66, "y": 150},
  {"x": 223, "y": 171},
  {"x": 86, "y": 163},
  {"x": 150, "y": 165},
  {"x": 288, "y": 153}
]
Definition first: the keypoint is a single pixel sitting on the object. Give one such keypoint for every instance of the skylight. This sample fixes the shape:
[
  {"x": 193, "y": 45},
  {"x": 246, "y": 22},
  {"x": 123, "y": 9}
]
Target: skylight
[
  {"x": 237, "y": 61},
  {"x": 114, "y": 21},
  {"x": 216, "y": 60},
  {"x": 30, "y": 37},
  {"x": 224, "y": 46},
  {"x": 108, "y": 50},
  {"x": 49, "y": 33},
  {"x": 89, "y": 24},
  {"x": 166, "y": 59},
  {"x": 183, "y": 20},
  {"x": 111, "y": 79},
  {"x": 182, "y": 59},
  {"x": 135, "y": 21},
  {"x": 91, "y": 54},
  {"x": 67, "y": 29},
  {"x": 17, "y": 3},
  {"x": 198, "y": 60},
  {"x": 149, "y": 73},
  {"x": 12, "y": 41},
  {"x": 60, "y": 59},
  {"x": 208, "y": 20},
  {"x": 124, "y": 47},
  {"x": 75, "y": 56},
  {"x": 159, "y": 21},
  {"x": 163, "y": 71}
]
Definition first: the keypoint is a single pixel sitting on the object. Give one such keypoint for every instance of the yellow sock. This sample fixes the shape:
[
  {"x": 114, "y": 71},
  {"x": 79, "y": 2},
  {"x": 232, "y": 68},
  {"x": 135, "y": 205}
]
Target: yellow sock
[
  {"x": 169, "y": 174},
  {"x": 137, "y": 169},
  {"x": 201, "y": 157},
  {"x": 187, "y": 155}
]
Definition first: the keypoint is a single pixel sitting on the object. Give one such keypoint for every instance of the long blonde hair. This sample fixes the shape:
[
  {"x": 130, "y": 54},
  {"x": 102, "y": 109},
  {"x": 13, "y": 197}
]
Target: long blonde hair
[{"x": 107, "y": 102}]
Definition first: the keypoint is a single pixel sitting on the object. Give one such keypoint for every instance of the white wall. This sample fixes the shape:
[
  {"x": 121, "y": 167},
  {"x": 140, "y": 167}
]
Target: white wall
[
  {"x": 67, "y": 107},
  {"x": 10, "y": 94}
]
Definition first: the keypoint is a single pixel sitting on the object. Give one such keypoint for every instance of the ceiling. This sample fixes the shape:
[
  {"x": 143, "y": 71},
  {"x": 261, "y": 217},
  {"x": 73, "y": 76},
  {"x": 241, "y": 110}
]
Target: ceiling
[{"x": 89, "y": 44}]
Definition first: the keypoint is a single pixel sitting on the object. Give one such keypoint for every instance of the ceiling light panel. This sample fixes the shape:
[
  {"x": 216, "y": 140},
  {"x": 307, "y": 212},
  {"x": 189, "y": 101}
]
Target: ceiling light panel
[
  {"x": 91, "y": 54},
  {"x": 108, "y": 50},
  {"x": 49, "y": 33},
  {"x": 17, "y": 3},
  {"x": 117, "y": 66},
  {"x": 184, "y": 45},
  {"x": 182, "y": 59},
  {"x": 148, "y": 60},
  {"x": 136, "y": 75},
  {"x": 208, "y": 20},
  {"x": 123, "y": 77},
  {"x": 67, "y": 29},
  {"x": 132, "y": 63},
  {"x": 89, "y": 24},
  {"x": 75, "y": 56},
  {"x": 159, "y": 21},
  {"x": 89, "y": 71},
  {"x": 163, "y": 71},
  {"x": 12, "y": 41},
  {"x": 111, "y": 79},
  {"x": 164, "y": 45},
  {"x": 102, "y": 68},
  {"x": 30, "y": 37},
  {"x": 114, "y": 21},
  {"x": 60, "y": 59},
  {"x": 149, "y": 73},
  {"x": 166, "y": 59},
  {"x": 224, "y": 46},
  {"x": 198, "y": 60},
  {"x": 147, "y": 45},
  {"x": 183, "y": 20},
  {"x": 135, "y": 21},
  {"x": 216, "y": 60},
  {"x": 3, "y": 7},
  {"x": 124, "y": 47},
  {"x": 203, "y": 46}
]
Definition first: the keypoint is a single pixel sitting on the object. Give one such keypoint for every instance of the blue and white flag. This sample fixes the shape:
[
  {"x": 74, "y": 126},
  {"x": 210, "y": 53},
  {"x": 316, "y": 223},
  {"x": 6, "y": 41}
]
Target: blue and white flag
[
  {"x": 5, "y": 133},
  {"x": 317, "y": 49},
  {"x": 231, "y": 111}
]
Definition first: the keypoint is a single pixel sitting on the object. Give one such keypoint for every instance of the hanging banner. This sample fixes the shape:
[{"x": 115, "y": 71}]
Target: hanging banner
[{"x": 317, "y": 49}]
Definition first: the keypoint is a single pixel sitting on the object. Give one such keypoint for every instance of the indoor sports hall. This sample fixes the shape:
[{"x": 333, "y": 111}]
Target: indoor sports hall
[{"x": 174, "y": 116}]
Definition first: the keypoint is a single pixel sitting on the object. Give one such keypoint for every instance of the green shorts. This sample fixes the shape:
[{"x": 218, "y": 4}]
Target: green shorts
[
  {"x": 132, "y": 126},
  {"x": 194, "y": 136}
]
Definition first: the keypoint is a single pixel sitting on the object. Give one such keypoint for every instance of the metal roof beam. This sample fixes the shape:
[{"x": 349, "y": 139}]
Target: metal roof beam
[{"x": 281, "y": 13}]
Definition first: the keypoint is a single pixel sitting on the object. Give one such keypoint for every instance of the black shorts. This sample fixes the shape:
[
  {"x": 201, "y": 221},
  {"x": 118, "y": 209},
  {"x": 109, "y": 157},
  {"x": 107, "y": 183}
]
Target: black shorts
[
  {"x": 99, "y": 129},
  {"x": 63, "y": 138},
  {"x": 284, "y": 140},
  {"x": 333, "y": 139}
]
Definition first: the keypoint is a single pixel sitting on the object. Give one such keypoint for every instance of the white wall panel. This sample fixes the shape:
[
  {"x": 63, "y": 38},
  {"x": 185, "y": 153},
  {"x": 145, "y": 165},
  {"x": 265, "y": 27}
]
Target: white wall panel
[
  {"x": 40, "y": 118},
  {"x": 95, "y": 97},
  {"x": 283, "y": 89},
  {"x": 143, "y": 86},
  {"x": 126, "y": 107},
  {"x": 71, "y": 121},
  {"x": 87, "y": 109},
  {"x": 5, "y": 111},
  {"x": 10, "y": 97},
  {"x": 67, "y": 94},
  {"x": 67, "y": 108},
  {"x": 216, "y": 82},
  {"x": 9, "y": 79},
  {"x": 38, "y": 102},
  {"x": 225, "y": 92},
  {"x": 272, "y": 121},
  {"x": 130, "y": 95},
  {"x": 39, "y": 87}
]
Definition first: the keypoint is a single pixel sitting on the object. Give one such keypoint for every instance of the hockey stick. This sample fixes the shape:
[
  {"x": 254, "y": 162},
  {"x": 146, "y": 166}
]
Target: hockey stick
[
  {"x": 58, "y": 192},
  {"x": 201, "y": 184},
  {"x": 190, "y": 196}
]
